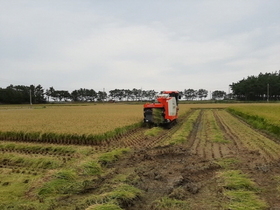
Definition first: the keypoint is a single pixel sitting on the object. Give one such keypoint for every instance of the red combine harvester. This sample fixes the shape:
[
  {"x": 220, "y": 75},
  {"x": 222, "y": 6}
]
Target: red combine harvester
[{"x": 164, "y": 111}]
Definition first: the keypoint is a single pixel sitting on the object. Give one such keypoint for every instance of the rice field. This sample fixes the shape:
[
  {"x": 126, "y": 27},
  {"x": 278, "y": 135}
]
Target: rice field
[
  {"x": 90, "y": 119},
  {"x": 264, "y": 117},
  {"x": 271, "y": 112},
  {"x": 80, "y": 119},
  {"x": 116, "y": 173}
]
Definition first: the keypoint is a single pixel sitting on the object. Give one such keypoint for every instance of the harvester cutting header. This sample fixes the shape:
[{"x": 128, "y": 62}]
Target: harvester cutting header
[{"x": 164, "y": 111}]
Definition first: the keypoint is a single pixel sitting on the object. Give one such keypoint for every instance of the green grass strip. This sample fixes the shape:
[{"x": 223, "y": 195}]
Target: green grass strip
[
  {"x": 117, "y": 194},
  {"x": 37, "y": 148},
  {"x": 218, "y": 134},
  {"x": 153, "y": 131},
  {"x": 257, "y": 122},
  {"x": 241, "y": 191},
  {"x": 92, "y": 168},
  {"x": 236, "y": 180},
  {"x": 181, "y": 135},
  {"x": 112, "y": 156},
  {"x": 30, "y": 162},
  {"x": 63, "y": 182},
  {"x": 125, "y": 193},
  {"x": 244, "y": 199},
  {"x": 227, "y": 163},
  {"x": 166, "y": 203},
  {"x": 104, "y": 206}
]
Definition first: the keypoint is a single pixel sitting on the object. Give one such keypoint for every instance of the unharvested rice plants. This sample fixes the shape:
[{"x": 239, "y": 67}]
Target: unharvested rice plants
[
  {"x": 69, "y": 124},
  {"x": 271, "y": 112},
  {"x": 83, "y": 124},
  {"x": 87, "y": 119},
  {"x": 264, "y": 117}
]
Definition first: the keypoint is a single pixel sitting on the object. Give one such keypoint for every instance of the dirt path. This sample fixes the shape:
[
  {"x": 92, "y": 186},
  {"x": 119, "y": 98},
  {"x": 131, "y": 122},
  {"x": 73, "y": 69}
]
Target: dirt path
[{"x": 189, "y": 172}]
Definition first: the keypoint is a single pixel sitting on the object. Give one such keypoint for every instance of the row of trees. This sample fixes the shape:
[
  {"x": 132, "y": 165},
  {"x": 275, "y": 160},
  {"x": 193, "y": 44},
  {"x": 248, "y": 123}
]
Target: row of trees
[
  {"x": 191, "y": 94},
  {"x": 22, "y": 94},
  {"x": 254, "y": 88},
  {"x": 36, "y": 94},
  {"x": 262, "y": 87},
  {"x": 90, "y": 95}
]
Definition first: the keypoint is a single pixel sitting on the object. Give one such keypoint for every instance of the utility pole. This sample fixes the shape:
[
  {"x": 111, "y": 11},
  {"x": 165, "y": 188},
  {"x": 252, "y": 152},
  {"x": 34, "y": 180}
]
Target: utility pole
[
  {"x": 267, "y": 92},
  {"x": 30, "y": 96}
]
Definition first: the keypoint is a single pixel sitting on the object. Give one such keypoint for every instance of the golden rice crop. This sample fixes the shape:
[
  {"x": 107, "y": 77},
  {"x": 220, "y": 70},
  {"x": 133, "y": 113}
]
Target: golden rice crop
[
  {"x": 263, "y": 117},
  {"x": 71, "y": 124},
  {"x": 90, "y": 119},
  {"x": 83, "y": 119},
  {"x": 270, "y": 112}
]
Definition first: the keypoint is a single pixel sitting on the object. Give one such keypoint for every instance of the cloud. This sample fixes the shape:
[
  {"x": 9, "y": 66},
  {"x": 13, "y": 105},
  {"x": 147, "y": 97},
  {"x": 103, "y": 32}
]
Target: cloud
[{"x": 127, "y": 44}]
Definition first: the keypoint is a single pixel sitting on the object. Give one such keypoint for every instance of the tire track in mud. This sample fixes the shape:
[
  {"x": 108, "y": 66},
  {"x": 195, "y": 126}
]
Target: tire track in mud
[
  {"x": 203, "y": 143},
  {"x": 193, "y": 140},
  {"x": 172, "y": 172}
]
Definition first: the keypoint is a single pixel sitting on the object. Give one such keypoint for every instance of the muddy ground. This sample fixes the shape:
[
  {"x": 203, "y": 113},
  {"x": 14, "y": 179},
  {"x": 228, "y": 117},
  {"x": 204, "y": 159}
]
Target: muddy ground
[{"x": 189, "y": 172}]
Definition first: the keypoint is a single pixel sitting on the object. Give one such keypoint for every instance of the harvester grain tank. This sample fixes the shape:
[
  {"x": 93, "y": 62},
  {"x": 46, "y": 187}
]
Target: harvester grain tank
[{"x": 164, "y": 111}]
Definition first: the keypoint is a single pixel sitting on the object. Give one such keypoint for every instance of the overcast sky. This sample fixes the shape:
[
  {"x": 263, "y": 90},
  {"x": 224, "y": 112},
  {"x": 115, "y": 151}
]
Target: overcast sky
[{"x": 148, "y": 44}]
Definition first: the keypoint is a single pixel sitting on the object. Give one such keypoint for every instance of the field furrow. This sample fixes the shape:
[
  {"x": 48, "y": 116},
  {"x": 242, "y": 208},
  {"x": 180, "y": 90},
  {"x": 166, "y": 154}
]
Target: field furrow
[
  {"x": 194, "y": 139},
  {"x": 217, "y": 152},
  {"x": 246, "y": 137},
  {"x": 229, "y": 135},
  {"x": 208, "y": 139}
]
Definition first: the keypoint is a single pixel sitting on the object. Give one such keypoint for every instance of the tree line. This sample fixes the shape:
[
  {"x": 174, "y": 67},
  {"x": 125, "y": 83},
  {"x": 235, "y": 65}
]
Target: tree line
[
  {"x": 257, "y": 88},
  {"x": 191, "y": 94},
  {"x": 254, "y": 88},
  {"x": 20, "y": 94}
]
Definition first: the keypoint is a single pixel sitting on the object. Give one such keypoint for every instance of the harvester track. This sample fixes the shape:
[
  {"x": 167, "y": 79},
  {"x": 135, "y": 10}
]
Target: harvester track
[
  {"x": 239, "y": 138},
  {"x": 194, "y": 164},
  {"x": 138, "y": 140}
]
